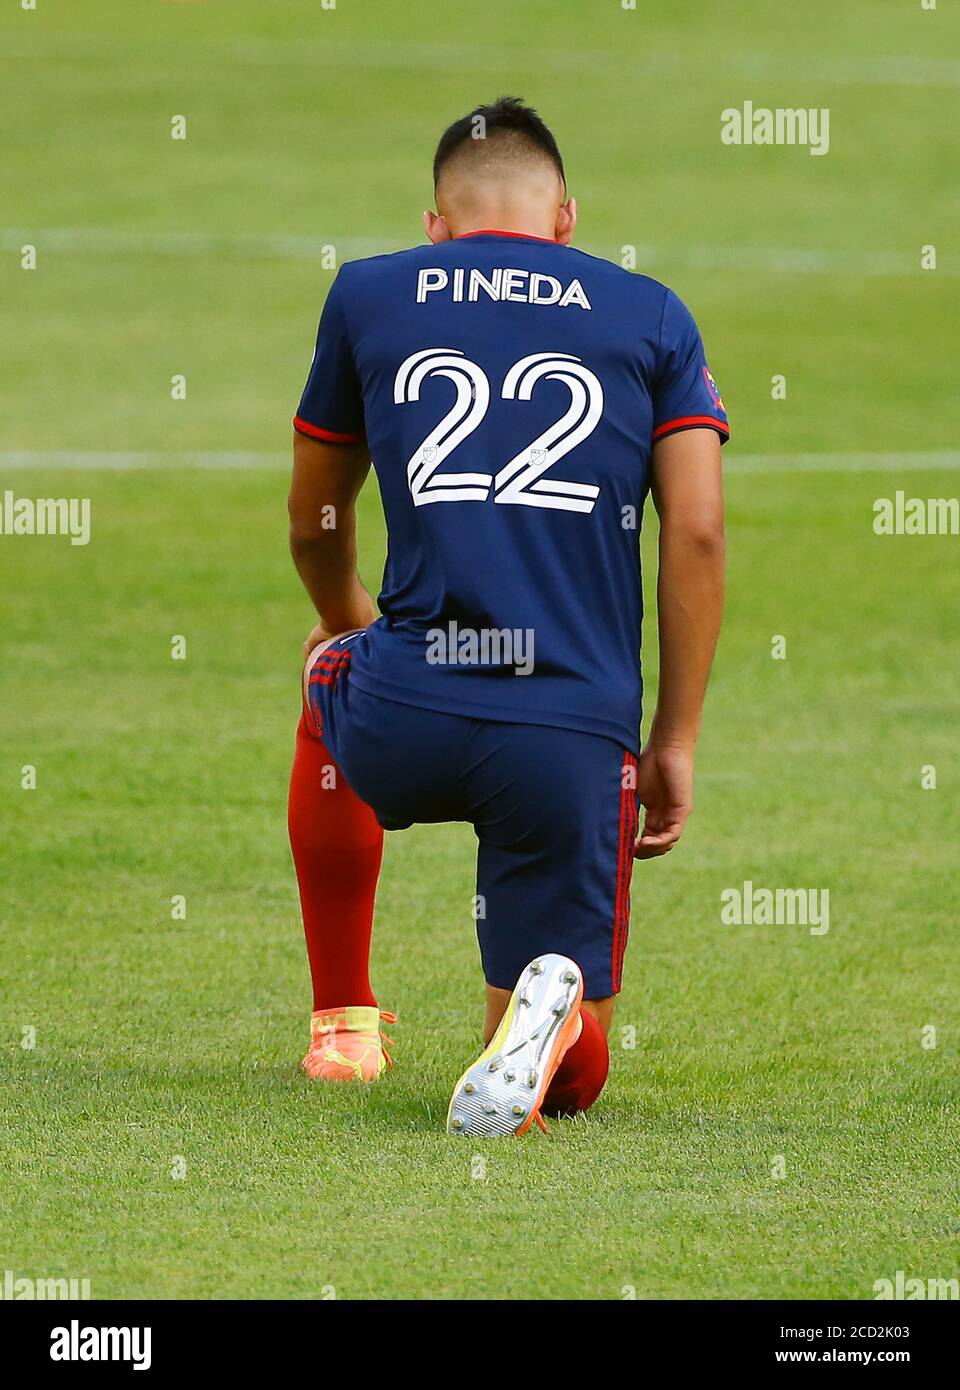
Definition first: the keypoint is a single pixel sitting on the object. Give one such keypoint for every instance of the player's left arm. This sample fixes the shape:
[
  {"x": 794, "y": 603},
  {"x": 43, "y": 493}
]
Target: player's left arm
[{"x": 327, "y": 479}]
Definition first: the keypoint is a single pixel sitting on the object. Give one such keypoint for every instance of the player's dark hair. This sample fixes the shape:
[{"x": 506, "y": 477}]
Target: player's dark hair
[{"x": 506, "y": 114}]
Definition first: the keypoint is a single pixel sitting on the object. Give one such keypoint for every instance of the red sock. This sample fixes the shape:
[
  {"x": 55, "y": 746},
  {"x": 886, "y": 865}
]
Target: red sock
[
  {"x": 580, "y": 1077},
  {"x": 337, "y": 847}
]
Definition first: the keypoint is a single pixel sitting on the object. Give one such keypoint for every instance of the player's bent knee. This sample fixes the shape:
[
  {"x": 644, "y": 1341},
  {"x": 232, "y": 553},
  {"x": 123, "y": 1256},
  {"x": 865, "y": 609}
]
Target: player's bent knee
[{"x": 309, "y": 718}]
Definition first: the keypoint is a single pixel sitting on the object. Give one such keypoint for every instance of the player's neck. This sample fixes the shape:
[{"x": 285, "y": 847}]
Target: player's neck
[{"x": 510, "y": 221}]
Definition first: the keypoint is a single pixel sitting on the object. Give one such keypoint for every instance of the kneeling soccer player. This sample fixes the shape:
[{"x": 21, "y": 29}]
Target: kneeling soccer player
[{"x": 518, "y": 399}]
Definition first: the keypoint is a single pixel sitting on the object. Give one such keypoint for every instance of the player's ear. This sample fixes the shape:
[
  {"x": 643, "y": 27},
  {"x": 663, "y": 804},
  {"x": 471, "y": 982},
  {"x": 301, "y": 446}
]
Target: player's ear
[
  {"x": 566, "y": 222},
  {"x": 436, "y": 227}
]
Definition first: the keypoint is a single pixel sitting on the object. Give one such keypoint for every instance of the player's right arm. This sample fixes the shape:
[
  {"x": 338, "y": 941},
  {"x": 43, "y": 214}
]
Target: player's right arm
[
  {"x": 327, "y": 479},
  {"x": 330, "y": 463}
]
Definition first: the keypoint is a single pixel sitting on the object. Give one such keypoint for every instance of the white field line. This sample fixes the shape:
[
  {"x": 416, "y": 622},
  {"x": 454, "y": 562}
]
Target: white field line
[
  {"x": 943, "y": 460},
  {"x": 836, "y": 70},
  {"x": 841, "y": 69},
  {"x": 935, "y": 461},
  {"x": 131, "y": 461},
  {"x": 105, "y": 241}
]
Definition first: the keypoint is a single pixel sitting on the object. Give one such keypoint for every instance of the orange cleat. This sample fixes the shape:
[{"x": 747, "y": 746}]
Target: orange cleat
[{"x": 347, "y": 1044}]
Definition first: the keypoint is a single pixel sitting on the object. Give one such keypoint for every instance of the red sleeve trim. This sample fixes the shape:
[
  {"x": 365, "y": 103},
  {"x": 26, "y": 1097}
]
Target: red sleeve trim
[
  {"x": 691, "y": 422},
  {"x": 315, "y": 432}
]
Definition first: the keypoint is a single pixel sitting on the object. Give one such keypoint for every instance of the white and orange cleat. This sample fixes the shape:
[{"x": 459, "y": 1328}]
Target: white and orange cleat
[
  {"x": 502, "y": 1092},
  {"x": 347, "y": 1044}
]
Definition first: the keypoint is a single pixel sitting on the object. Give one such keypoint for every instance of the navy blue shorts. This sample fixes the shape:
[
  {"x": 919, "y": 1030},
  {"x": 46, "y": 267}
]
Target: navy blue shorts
[{"x": 554, "y": 810}]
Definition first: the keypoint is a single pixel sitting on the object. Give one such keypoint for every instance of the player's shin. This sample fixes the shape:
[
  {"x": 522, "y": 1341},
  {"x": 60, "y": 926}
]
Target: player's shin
[{"x": 337, "y": 848}]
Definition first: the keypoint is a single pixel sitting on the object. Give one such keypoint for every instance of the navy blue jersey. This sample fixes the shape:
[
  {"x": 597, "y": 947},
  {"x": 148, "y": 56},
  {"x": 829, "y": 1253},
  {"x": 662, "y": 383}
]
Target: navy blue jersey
[{"x": 509, "y": 390}]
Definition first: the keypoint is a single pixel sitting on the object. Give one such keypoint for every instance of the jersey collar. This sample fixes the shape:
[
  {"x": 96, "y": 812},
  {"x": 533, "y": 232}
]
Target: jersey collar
[{"x": 496, "y": 231}]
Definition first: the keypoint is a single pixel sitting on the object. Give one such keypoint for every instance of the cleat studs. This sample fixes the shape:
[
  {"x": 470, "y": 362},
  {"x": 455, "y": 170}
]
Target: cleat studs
[
  {"x": 524, "y": 997},
  {"x": 489, "y": 1109},
  {"x": 568, "y": 977},
  {"x": 469, "y": 1088},
  {"x": 495, "y": 1064},
  {"x": 456, "y": 1122},
  {"x": 509, "y": 1076},
  {"x": 531, "y": 1078},
  {"x": 536, "y": 968},
  {"x": 518, "y": 1110}
]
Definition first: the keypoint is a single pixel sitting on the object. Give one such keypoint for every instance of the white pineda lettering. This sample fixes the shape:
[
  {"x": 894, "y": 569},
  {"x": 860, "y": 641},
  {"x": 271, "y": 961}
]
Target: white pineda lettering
[
  {"x": 552, "y": 296},
  {"x": 511, "y": 286},
  {"x": 480, "y": 282},
  {"x": 574, "y": 294},
  {"x": 502, "y": 284},
  {"x": 430, "y": 280}
]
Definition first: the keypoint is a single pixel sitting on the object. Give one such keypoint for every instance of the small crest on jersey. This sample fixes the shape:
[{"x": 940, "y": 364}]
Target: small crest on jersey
[
  {"x": 429, "y": 453},
  {"x": 714, "y": 390},
  {"x": 538, "y": 455}
]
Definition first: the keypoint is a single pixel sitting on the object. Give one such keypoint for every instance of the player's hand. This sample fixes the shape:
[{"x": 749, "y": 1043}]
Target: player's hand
[
  {"x": 321, "y": 633},
  {"x": 665, "y": 789},
  {"x": 318, "y": 634},
  {"x": 360, "y": 612}
]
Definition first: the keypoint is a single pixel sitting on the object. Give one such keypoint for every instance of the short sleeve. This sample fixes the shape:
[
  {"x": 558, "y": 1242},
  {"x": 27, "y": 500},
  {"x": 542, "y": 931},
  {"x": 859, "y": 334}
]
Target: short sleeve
[
  {"x": 331, "y": 407},
  {"x": 685, "y": 395}
]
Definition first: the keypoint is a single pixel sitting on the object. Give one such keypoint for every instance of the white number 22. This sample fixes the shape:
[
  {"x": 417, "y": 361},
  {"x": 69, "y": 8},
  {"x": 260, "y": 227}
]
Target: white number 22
[{"x": 520, "y": 481}]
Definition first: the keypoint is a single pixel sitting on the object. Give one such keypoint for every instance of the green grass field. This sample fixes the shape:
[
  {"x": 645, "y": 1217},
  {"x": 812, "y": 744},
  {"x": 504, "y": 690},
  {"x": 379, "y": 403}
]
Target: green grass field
[{"x": 159, "y": 1040}]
